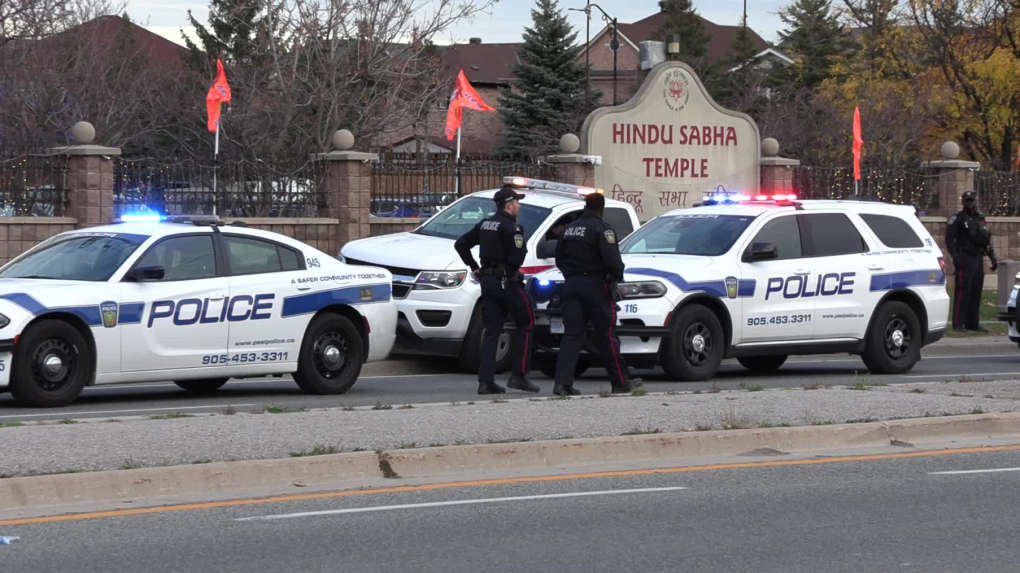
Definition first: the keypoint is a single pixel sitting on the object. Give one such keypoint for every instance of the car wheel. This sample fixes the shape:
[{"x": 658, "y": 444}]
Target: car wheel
[
  {"x": 204, "y": 386},
  {"x": 332, "y": 355},
  {"x": 893, "y": 343},
  {"x": 471, "y": 349},
  {"x": 762, "y": 364},
  {"x": 51, "y": 365},
  {"x": 696, "y": 346},
  {"x": 548, "y": 367}
]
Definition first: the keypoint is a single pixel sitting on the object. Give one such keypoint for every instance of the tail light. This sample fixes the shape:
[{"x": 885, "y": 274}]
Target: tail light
[{"x": 942, "y": 263}]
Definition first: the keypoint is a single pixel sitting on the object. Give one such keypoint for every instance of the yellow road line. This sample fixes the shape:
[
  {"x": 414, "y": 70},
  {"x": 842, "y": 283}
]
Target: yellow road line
[{"x": 506, "y": 481}]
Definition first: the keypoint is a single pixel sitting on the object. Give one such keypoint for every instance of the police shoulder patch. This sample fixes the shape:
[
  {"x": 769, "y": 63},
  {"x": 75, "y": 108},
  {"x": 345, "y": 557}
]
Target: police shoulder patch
[
  {"x": 611, "y": 237},
  {"x": 952, "y": 219},
  {"x": 519, "y": 241}
]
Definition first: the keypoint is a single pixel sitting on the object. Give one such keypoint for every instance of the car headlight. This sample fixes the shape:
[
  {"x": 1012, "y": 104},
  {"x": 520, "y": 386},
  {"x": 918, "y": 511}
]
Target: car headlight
[
  {"x": 433, "y": 280},
  {"x": 650, "y": 289},
  {"x": 4, "y": 321}
]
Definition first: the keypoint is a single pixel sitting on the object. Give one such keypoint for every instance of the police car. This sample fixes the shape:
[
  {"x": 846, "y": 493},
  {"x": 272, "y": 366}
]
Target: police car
[
  {"x": 1011, "y": 316},
  {"x": 759, "y": 278},
  {"x": 189, "y": 300},
  {"x": 438, "y": 303}
]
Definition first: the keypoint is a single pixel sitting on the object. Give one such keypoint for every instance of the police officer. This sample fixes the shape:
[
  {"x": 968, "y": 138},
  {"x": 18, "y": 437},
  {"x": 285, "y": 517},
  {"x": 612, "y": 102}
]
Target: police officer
[
  {"x": 503, "y": 293},
  {"x": 968, "y": 241},
  {"x": 589, "y": 258}
]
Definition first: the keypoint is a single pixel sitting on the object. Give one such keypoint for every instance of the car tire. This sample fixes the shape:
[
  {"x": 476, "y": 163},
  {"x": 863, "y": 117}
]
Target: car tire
[
  {"x": 893, "y": 343},
  {"x": 548, "y": 367},
  {"x": 203, "y": 386},
  {"x": 331, "y": 357},
  {"x": 696, "y": 347},
  {"x": 762, "y": 364},
  {"x": 52, "y": 363},
  {"x": 471, "y": 349}
]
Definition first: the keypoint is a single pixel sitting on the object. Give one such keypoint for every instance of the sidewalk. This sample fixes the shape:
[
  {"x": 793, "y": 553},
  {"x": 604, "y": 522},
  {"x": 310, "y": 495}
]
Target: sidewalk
[{"x": 73, "y": 446}]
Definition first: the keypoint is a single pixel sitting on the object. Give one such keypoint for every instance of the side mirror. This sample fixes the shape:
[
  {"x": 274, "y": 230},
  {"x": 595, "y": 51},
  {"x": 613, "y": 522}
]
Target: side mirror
[
  {"x": 147, "y": 274},
  {"x": 763, "y": 252},
  {"x": 547, "y": 249}
]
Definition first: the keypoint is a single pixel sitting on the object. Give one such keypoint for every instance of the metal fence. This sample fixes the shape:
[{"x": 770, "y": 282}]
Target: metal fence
[
  {"x": 410, "y": 185},
  {"x": 244, "y": 189},
  {"x": 998, "y": 193},
  {"x": 33, "y": 186},
  {"x": 917, "y": 186}
]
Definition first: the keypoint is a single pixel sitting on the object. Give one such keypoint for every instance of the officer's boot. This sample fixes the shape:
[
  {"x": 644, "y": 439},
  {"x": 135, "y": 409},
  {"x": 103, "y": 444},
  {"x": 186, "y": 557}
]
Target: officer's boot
[
  {"x": 565, "y": 390},
  {"x": 521, "y": 383},
  {"x": 490, "y": 388}
]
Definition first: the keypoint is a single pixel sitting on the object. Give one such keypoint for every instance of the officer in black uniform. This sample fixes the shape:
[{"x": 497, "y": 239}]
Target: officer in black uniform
[
  {"x": 589, "y": 258},
  {"x": 503, "y": 293},
  {"x": 968, "y": 241}
]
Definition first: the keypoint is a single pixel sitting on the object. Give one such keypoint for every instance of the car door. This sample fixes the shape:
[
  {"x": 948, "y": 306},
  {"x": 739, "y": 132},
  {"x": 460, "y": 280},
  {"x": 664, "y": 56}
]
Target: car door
[
  {"x": 262, "y": 274},
  {"x": 835, "y": 244},
  {"x": 782, "y": 308},
  {"x": 179, "y": 317}
]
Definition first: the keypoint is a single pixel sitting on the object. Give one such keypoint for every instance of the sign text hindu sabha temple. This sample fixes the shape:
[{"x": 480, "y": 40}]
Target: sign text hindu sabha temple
[{"x": 670, "y": 144}]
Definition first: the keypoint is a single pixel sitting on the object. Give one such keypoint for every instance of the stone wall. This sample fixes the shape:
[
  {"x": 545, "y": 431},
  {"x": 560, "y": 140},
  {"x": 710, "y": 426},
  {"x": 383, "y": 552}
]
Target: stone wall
[
  {"x": 19, "y": 234},
  {"x": 1005, "y": 240}
]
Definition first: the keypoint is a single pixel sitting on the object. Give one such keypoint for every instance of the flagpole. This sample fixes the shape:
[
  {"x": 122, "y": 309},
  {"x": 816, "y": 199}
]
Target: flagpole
[
  {"x": 457, "y": 181},
  {"x": 216, "y": 162}
]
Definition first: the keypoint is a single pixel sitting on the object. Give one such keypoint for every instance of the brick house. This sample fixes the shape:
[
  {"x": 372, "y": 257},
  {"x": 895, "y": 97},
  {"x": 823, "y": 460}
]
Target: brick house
[{"x": 488, "y": 68}]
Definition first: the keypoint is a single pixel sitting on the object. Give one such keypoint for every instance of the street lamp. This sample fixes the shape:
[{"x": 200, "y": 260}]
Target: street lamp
[{"x": 614, "y": 45}]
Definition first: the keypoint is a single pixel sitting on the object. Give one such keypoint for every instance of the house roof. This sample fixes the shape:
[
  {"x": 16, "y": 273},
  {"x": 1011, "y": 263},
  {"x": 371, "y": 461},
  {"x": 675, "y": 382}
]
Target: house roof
[
  {"x": 158, "y": 47},
  {"x": 718, "y": 45},
  {"x": 482, "y": 63}
]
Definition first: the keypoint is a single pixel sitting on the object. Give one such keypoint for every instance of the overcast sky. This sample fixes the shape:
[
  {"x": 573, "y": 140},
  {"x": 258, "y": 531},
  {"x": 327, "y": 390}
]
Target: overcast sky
[{"x": 507, "y": 21}]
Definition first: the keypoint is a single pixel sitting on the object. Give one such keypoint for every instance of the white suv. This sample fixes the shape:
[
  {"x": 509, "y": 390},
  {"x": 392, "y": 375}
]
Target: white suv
[
  {"x": 438, "y": 304},
  {"x": 764, "y": 277}
]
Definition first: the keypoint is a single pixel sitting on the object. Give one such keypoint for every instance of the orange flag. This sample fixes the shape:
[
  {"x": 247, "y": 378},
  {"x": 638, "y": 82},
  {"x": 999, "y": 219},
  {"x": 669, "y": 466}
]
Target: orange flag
[
  {"x": 463, "y": 96},
  {"x": 858, "y": 142},
  {"x": 218, "y": 93}
]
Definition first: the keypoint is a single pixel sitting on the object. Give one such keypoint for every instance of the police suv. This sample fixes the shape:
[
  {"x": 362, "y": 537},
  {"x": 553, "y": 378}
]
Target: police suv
[
  {"x": 189, "y": 300},
  {"x": 1012, "y": 315},
  {"x": 438, "y": 303},
  {"x": 759, "y": 278}
]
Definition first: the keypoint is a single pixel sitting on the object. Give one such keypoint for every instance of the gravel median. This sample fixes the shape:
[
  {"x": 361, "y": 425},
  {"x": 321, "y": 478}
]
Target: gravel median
[{"x": 67, "y": 446}]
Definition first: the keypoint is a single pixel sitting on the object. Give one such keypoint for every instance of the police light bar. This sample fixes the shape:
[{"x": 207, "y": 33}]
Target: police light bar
[
  {"x": 153, "y": 217},
  {"x": 140, "y": 218},
  {"x": 541, "y": 185},
  {"x": 718, "y": 198}
]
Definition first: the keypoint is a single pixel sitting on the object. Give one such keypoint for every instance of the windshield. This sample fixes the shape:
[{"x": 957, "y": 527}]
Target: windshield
[
  {"x": 79, "y": 257},
  {"x": 699, "y": 235},
  {"x": 459, "y": 218}
]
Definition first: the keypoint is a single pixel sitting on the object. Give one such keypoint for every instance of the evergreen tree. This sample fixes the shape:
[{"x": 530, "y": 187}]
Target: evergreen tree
[
  {"x": 814, "y": 36},
  {"x": 546, "y": 100},
  {"x": 739, "y": 71},
  {"x": 683, "y": 20},
  {"x": 233, "y": 32}
]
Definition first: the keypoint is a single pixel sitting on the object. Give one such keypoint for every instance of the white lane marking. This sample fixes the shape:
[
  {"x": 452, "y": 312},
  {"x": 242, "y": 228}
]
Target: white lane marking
[
  {"x": 1014, "y": 373},
  {"x": 459, "y": 502},
  {"x": 961, "y": 472},
  {"x": 91, "y": 412}
]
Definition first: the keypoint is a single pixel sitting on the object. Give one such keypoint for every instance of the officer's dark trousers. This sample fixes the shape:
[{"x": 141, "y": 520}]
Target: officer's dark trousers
[
  {"x": 584, "y": 299},
  {"x": 970, "y": 280},
  {"x": 499, "y": 299}
]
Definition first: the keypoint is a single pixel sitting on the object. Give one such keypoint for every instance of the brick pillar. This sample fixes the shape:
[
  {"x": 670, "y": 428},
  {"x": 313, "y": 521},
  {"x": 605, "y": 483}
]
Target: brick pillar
[
  {"x": 89, "y": 178},
  {"x": 348, "y": 187},
  {"x": 569, "y": 165},
  {"x": 954, "y": 177},
  {"x": 776, "y": 172}
]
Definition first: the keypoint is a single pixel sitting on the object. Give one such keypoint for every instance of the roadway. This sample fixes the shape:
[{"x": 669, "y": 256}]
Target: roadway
[
  {"x": 438, "y": 381},
  {"x": 931, "y": 512}
]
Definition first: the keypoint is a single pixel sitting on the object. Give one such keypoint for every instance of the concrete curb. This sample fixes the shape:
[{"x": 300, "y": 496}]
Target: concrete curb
[{"x": 203, "y": 479}]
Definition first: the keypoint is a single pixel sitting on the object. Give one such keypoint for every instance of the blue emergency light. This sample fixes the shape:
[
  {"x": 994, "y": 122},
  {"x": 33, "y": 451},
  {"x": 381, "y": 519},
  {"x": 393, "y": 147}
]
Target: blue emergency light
[{"x": 141, "y": 218}]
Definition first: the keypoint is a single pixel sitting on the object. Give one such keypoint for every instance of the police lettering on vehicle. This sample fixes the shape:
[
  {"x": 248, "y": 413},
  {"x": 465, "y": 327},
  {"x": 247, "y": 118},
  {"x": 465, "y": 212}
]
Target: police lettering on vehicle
[
  {"x": 192, "y": 310},
  {"x": 797, "y": 286}
]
